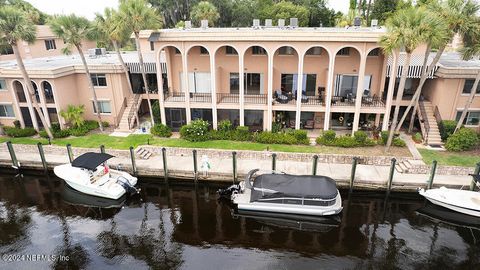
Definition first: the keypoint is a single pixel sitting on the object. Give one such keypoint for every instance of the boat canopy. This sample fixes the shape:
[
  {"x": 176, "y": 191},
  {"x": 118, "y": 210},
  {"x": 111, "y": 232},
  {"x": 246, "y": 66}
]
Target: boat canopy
[
  {"x": 298, "y": 186},
  {"x": 90, "y": 160}
]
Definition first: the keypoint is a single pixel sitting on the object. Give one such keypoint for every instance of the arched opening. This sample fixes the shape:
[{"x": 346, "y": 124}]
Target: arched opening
[
  {"x": 375, "y": 89},
  {"x": 18, "y": 87},
  {"x": 36, "y": 93},
  {"x": 48, "y": 92},
  {"x": 315, "y": 78},
  {"x": 199, "y": 83},
  {"x": 227, "y": 84},
  {"x": 345, "y": 81},
  {"x": 285, "y": 86}
]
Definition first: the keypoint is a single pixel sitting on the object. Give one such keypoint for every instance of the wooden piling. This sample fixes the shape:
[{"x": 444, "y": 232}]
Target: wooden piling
[
  {"x": 314, "y": 165},
  {"x": 352, "y": 175},
  {"x": 132, "y": 157},
  {"x": 432, "y": 174},
  {"x": 42, "y": 157},
  {"x": 234, "y": 166},
  {"x": 477, "y": 172},
  {"x": 164, "y": 159},
  {"x": 390, "y": 176},
  {"x": 13, "y": 156},
  {"x": 195, "y": 168},
  {"x": 274, "y": 162},
  {"x": 69, "y": 152}
]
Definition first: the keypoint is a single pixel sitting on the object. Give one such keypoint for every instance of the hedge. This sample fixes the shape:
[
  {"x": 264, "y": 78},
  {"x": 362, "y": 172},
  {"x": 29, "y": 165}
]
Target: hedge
[
  {"x": 161, "y": 130},
  {"x": 19, "y": 132},
  {"x": 463, "y": 140}
]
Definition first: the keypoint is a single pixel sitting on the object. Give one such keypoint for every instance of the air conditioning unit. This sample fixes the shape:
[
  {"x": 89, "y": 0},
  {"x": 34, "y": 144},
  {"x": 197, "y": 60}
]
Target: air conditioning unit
[
  {"x": 256, "y": 23},
  {"x": 293, "y": 22},
  {"x": 97, "y": 52},
  {"x": 374, "y": 23},
  {"x": 281, "y": 23},
  {"x": 204, "y": 24},
  {"x": 268, "y": 22},
  {"x": 188, "y": 24},
  {"x": 357, "y": 22}
]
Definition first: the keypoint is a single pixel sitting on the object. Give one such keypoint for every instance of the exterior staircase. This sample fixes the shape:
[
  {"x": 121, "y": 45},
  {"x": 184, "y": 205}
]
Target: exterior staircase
[
  {"x": 143, "y": 153},
  {"x": 128, "y": 118},
  {"x": 430, "y": 130},
  {"x": 403, "y": 166}
]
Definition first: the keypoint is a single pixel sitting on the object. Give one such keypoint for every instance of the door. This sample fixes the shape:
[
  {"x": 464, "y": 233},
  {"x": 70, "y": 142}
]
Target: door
[
  {"x": 27, "y": 118},
  {"x": 175, "y": 118}
]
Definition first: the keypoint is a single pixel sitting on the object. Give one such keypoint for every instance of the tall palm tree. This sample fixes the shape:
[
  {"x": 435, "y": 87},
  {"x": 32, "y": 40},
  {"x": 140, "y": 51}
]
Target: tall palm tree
[
  {"x": 471, "y": 49},
  {"x": 109, "y": 28},
  {"x": 406, "y": 29},
  {"x": 136, "y": 15},
  {"x": 14, "y": 27},
  {"x": 74, "y": 30},
  {"x": 451, "y": 17}
]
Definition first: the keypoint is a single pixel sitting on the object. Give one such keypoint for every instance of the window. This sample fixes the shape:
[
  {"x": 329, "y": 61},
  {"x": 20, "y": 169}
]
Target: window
[
  {"x": 285, "y": 51},
  {"x": 314, "y": 51},
  {"x": 103, "y": 106},
  {"x": 344, "y": 51},
  {"x": 152, "y": 46},
  {"x": 99, "y": 79},
  {"x": 234, "y": 83},
  {"x": 471, "y": 119},
  {"x": 3, "y": 85},
  {"x": 256, "y": 50},
  {"x": 468, "y": 86},
  {"x": 177, "y": 51},
  {"x": 374, "y": 52},
  {"x": 203, "y": 51},
  {"x": 6, "y": 110},
  {"x": 230, "y": 51},
  {"x": 50, "y": 44},
  {"x": 6, "y": 50}
]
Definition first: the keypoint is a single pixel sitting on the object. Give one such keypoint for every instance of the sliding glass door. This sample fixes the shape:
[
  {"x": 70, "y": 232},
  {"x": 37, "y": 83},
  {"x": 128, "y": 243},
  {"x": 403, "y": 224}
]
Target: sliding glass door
[
  {"x": 253, "y": 83},
  {"x": 198, "y": 82}
]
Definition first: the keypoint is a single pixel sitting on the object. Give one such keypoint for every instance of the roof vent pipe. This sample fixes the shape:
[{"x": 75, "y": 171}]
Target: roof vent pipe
[
  {"x": 357, "y": 22},
  {"x": 268, "y": 22},
  {"x": 293, "y": 22},
  {"x": 188, "y": 24},
  {"x": 256, "y": 23},
  {"x": 204, "y": 24},
  {"x": 374, "y": 23},
  {"x": 281, "y": 23}
]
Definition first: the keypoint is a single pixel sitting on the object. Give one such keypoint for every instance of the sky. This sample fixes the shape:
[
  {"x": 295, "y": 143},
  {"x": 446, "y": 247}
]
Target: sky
[{"x": 88, "y": 8}]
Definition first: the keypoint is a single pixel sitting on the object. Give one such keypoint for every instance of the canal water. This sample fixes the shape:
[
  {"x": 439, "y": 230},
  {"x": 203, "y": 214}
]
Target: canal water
[{"x": 44, "y": 224}]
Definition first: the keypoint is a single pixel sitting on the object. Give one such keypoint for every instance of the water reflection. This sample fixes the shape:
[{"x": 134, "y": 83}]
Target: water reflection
[{"x": 185, "y": 226}]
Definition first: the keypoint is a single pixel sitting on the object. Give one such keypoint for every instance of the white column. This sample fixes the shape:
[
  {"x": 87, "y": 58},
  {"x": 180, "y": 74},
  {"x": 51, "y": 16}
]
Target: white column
[
  {"x": 328, "y": 101},
  {"x": 391, "y": 86},
  {"x": 161, "y": 100},
  {"x": 43, "y": 104},
  {"x": 299, "y": 91},
  {"x": 213, "y": 76},
  {"x": 358, "y": 98},
  {"x": 186, "y": 87},
  {"x": 270, "y": 90},
  {"x": 241, "y": 86}
]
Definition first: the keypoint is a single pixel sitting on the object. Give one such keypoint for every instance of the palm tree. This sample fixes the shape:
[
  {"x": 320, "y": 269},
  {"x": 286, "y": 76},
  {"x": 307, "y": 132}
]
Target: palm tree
[
  {"x": 73, "y": 30},
  {"x": 471, "y": 48},
  {"x": 14, "y": 27},
  {"x": 108, "y": 27},
  {"x": 405, "y": 29},
  {"x": 136, "y": 15},
  {"x": 450, "y": 18},
  {"x": 204, "y": 10},
  {"x": 74, "y": 115}
]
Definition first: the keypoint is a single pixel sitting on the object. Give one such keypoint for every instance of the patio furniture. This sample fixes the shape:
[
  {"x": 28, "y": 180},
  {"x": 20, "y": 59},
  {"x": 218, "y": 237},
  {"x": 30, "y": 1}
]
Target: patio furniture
[
  {"x": 309, "y": 124},
  {"x": 291, "y": 124},
  {"x": 280, "y": 97}
]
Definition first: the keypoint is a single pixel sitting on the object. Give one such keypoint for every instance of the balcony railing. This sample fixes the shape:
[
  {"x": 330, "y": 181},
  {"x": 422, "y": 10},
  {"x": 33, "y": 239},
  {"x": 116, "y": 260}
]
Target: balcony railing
[
  {"x": 343, "y": 101},
  {"x": 313, "y": 100},
  {"x": 373, "y": 102},
  {"x": 201, "y": 97},
  {"x": 255, "y": 99},
  {"x": 174, "y": 97},
  {"x": 228, "y": 98}
]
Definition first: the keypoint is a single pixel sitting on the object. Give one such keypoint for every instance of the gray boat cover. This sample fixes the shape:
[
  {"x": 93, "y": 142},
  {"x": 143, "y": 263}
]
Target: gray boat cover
[{"x": 299, "y": 186}]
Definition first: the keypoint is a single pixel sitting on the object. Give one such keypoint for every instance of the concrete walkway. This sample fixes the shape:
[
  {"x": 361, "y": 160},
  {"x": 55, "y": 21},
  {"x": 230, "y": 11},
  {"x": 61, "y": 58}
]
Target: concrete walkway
[{"x": 373, "y": 177}]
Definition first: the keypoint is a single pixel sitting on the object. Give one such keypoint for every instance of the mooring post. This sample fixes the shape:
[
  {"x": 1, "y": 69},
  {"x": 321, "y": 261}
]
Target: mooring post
[
  {"x": 390, "y": 176},
  {"x": 234, "y": 160},
  {"x": 102, "y": 149},
  {"x": 42, "y": 157},
  {"x": 432, "y": 174},
  {"x": 15, "y": 163},
  {"x": 69, "y": 152},
  {"x": 314, "y": 165},
  {"x": 164, "y": 159},
  {"x": 195, "y": 169},
  {"x": 132, "y": 157},
  {"x": 274, "y": 161},
  {"x": 477, "y": 172},
  {"x": 352, "y": 175}
]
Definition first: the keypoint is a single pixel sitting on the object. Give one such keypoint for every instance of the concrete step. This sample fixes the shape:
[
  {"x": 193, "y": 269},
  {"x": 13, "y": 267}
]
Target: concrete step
[{"x": 398, "y": 168}]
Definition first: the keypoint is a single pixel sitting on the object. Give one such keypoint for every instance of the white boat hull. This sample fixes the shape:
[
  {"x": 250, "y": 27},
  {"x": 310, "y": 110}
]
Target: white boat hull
[
  {"x": 462, "y": 201},
  {"x": 106, "y": 186}
]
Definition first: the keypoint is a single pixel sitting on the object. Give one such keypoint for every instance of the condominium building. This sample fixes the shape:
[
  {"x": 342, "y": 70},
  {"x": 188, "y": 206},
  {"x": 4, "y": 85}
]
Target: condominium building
[{"x": 302, "y": 78}]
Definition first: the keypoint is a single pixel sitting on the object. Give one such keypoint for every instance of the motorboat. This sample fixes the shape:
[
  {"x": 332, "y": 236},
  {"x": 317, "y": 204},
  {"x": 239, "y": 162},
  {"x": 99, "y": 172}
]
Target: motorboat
[
  {"x": 74, "y": 197},
  {"x": 278, "y": 192},
  {"x": 463, "y": 201},
  {"x": 90, "y": 174},
  {"x": 447, "y": 216}
]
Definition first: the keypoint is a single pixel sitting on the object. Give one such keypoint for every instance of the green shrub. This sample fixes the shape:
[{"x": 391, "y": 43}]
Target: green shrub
[
  {"x": 276, "y": 127},
  {"x": 299, "y": 134},
  {"x": 346, "y": 141},
  {"x": 17, "y": 124},
  {"x": 106, "y": 124},
  {"x": 161, "y": 130},
  {"x": 464, "y": 139},
  {"x": 19, "y": 132},
  {"x": 268, "y": 137},
  {"x": 241, "y": 134},
  {"x": 43, "y": 134},
  {"x": 77, "y": 131},
  {"x": 55, "y": 127},
  {"x": 329, "y": 135},
  {"x": 417, "y": 137},
  {"x": 447, "y": 127},
  {"x": 370, "y": 142},
  {"x": 90, "y": 124},
  {"x": 384, "y": 137},
  {"x": 63, "y": 133},
  {"x": 224, "y": 126},
  {"x": 74, "y": 115},
  {"x": 360, "y": 136},
  {"x": 398, "y": 142},
  {"x": 196, "y": 131}
]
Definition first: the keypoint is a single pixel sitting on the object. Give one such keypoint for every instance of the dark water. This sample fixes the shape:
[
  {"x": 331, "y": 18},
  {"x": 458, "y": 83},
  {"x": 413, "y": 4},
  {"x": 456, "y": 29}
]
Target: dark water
[{"x": 184, "y": 227}]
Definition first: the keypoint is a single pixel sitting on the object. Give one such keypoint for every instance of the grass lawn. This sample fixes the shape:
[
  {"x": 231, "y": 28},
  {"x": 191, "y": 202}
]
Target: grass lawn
[
  {"x": 95, "y": 140},
  {"x": 465, "y": 159}
]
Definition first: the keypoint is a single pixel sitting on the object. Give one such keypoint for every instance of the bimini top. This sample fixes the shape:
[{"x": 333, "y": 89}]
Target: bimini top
[
  {"x": 299, "y": 186},
  {"x": 90, "y": 160}
]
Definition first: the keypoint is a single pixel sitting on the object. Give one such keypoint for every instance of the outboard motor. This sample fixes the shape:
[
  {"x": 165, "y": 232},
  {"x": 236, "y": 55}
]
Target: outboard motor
[
  {"x": 122, "y": 181},
  {"x": 227, "y": 192}
]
